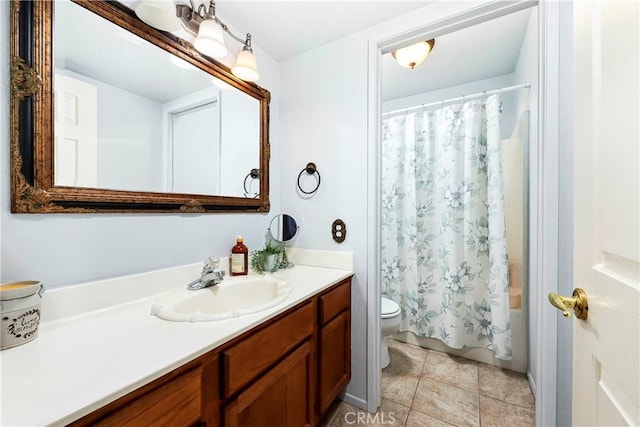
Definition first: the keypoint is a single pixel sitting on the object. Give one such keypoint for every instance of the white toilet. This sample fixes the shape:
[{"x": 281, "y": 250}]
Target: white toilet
[{"x": 389, "y": 325}]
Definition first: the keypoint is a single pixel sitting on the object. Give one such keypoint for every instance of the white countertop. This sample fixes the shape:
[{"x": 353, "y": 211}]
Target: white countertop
[{"x": 96, "y": 345}]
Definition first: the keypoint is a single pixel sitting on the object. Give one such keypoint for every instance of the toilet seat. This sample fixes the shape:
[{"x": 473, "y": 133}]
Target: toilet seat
[
  {"x": 389, "y": 308},
  {"x": 390, "y": 323}
]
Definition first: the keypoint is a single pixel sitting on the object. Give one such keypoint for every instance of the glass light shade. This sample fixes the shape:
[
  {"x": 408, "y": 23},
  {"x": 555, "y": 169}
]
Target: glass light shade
[
  {"x": 160, "y": 14},
  {"x": 246, "y": 67},
  {"x": 414, "y": 55},
  {"x": 210, "y": 40}
]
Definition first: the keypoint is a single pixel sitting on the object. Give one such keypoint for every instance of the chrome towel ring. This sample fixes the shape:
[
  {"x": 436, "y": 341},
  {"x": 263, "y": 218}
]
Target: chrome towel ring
[{"x": 253, "y": 174}]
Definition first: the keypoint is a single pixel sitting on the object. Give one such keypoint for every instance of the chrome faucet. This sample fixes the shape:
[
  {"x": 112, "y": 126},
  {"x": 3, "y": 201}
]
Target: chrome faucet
[{"x": 211, "y": 275}]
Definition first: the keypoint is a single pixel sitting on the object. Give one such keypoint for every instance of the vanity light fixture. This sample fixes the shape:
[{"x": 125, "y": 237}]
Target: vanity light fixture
[
  {"x": 414, "y": 55},
  {"x": 205, "y": 26}
]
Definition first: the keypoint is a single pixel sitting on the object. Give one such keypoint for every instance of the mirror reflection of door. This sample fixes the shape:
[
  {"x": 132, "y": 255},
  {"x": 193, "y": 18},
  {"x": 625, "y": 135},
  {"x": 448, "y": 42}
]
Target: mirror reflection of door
[
  {"x": 238, "y": 136},
  {"x": 76, "y": 137},
  {"x": 195, "y": 146},
  {"x": 140, "y": 90}
]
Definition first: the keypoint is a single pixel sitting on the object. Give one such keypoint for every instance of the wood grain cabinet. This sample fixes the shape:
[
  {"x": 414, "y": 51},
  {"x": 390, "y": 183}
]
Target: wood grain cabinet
[
  {"x": 281, "y": 397},
  {"x": 183, "y": 397},
  {"x": 334, "y": 345},
  {"x": 285, "y": 372},
  {"x": 273, "y": 368},
  {"x": 251, "y": 356}
]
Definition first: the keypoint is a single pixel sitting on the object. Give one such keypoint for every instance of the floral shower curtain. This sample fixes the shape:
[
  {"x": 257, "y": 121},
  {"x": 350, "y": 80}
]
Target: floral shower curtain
[{"x": 444, "y": 256}]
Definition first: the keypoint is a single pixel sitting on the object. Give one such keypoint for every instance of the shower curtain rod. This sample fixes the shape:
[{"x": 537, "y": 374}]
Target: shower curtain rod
[{"x": 460, "y": 98}]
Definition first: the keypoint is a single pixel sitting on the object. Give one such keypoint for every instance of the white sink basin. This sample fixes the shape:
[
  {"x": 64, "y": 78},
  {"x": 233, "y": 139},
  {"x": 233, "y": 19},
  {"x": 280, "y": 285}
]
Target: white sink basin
[{"x": 235, "y": 296}]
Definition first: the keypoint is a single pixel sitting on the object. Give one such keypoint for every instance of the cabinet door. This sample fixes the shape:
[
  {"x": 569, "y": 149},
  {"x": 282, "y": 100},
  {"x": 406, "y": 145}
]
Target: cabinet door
[
  {"x": 334, "y": 358},
  {"x": 281, "y": 397}
]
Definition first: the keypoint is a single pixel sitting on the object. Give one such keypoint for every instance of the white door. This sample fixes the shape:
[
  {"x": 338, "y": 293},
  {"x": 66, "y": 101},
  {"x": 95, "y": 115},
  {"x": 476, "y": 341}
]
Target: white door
[
  {"x": 196, "y": 150},
  {"x": 606, "y": 353},
  {"x": 76, "y": 133}
]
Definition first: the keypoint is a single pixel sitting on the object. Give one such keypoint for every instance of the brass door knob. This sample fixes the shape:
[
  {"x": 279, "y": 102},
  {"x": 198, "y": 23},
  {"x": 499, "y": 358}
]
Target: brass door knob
[{"x": 578, "y": 302}]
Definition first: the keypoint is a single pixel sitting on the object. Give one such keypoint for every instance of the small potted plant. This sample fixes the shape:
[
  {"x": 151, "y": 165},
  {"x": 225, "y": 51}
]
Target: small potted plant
[{"x": 267, "y": 259}]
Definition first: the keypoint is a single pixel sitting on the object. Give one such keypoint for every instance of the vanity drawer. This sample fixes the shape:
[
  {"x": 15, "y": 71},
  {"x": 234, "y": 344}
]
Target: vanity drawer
[
  {"x": 184, "y": 397},
  {"x": 177, "y": 402},
  {"x": 245, "y": 360},
  {"x": 334, "y": 301}
]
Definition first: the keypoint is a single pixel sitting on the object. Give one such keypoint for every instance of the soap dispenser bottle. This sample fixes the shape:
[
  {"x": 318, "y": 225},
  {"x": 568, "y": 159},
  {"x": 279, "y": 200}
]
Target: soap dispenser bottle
[{"x": 239, "y": 261}]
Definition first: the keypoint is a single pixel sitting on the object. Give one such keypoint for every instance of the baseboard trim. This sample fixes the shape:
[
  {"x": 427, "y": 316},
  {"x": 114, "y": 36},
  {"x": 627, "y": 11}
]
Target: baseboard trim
[
  {"x": 355, "y": 401},
  {"x": 532, "y": 384}
]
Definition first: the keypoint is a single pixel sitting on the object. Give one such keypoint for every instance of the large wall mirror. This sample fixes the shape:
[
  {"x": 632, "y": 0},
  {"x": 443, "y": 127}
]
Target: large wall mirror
[{"x": 111, "y": 115}]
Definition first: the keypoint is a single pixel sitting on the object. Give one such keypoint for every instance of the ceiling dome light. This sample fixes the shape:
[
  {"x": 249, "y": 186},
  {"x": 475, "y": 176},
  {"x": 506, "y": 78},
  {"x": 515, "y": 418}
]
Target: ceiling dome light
[
  {"x": 160, "y": 14},
  {"x": 414, "y": 55},
  {"x": 210, "y": 40}
]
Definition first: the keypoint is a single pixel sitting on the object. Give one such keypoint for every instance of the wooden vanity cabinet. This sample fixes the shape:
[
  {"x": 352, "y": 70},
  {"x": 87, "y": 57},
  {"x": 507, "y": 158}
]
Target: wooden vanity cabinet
[
  {"x": 186, "y": 396},
  {"x": 282, "y": 397},
  {"x": 334, "y": 344},
  {"x": 273, "y": 369},
  {"x": 260, "y": 349},
  {"x": 285, "y": 372}
]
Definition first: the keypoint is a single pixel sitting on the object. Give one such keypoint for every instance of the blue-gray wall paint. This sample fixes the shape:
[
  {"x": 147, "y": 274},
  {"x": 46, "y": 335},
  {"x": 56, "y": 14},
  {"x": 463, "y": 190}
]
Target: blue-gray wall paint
[
  {"x": 69, "y": 249},
  {"x": 565, "y": 208}
]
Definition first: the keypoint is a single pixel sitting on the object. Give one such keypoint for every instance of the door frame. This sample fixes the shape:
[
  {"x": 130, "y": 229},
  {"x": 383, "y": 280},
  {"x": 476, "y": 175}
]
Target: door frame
[
  {"x": 180, "y": 105},
  {"x": 543, "y": 190}
]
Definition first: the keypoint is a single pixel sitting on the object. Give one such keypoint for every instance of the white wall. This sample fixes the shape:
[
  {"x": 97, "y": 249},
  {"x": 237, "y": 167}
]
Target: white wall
[
  {"x": 4, "y": 122},
  {"x": 566, "y": 212},
  {"x": 69, "y": 249},
  {"x": 324, "y": 119},
  {"x": 238, "y": 136},
  {"x": 527, "y": 72},
  {"x": 129, "y": 140}
]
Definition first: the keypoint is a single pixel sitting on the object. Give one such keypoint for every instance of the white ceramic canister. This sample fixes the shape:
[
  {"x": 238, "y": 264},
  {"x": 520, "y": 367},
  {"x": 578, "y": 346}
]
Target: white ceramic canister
[{"x": 20, "y": 312}]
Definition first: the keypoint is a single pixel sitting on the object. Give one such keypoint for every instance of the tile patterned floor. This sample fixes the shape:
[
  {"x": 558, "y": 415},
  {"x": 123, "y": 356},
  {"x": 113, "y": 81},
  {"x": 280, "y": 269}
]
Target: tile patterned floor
[{"x": 426, "y": 388}]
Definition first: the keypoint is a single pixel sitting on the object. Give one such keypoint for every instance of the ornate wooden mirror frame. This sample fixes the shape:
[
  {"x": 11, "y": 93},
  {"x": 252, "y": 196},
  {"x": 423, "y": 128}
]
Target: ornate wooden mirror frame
[{"x": 32, "y": 184}]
